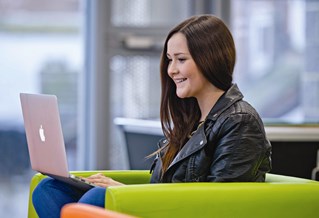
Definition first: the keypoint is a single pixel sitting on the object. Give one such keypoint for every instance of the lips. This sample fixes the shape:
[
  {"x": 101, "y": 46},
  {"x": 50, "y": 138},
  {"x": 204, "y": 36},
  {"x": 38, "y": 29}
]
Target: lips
[{"x": 180, "y": 80}]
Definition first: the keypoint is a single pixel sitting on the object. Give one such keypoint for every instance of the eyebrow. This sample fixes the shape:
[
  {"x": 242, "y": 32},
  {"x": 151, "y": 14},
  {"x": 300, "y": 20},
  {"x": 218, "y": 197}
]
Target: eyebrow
[{"x": 176, "y": 54}]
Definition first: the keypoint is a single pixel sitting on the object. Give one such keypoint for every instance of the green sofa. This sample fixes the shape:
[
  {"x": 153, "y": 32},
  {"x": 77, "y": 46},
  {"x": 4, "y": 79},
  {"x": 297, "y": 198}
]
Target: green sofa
[{"x": 279, "y": 196}]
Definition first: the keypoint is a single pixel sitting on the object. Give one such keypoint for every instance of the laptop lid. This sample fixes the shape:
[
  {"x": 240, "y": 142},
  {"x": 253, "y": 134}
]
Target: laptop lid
[{"x": 44, "y": 134}]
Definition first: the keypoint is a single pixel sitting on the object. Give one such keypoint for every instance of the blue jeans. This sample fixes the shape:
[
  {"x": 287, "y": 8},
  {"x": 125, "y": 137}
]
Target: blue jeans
[{"x": 51, "y": 195}]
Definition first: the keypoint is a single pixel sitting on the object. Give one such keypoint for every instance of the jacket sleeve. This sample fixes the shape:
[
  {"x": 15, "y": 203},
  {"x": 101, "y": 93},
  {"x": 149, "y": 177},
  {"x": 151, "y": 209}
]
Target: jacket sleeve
[{"x": 241, "y": 148}]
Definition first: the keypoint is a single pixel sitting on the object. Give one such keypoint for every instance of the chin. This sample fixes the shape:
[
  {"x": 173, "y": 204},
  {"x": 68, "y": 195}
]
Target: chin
[{"x": 181, "y": 95}]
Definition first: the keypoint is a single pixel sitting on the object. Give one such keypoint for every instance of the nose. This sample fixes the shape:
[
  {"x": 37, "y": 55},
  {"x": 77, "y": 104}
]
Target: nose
[{"x": 172, "y": 69}]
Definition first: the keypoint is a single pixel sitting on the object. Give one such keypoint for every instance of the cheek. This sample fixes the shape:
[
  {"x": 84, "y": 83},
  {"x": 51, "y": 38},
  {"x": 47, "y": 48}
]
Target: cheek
[
  {"x": 186, "y": 71},
  {"x": 193, "y": 77}
]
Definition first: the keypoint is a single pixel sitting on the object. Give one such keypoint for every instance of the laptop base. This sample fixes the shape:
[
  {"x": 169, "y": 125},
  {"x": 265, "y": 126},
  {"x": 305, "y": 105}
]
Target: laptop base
[{"x": 73, "y": 181}]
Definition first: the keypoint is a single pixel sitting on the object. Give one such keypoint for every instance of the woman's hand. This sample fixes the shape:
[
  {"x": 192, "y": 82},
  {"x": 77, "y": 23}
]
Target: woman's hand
[{"x": 103, "y": 181}]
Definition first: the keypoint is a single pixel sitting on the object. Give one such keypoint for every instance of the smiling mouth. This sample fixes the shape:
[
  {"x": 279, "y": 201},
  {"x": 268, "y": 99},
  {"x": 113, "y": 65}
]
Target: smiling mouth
[{"x": 180, "y": 80}]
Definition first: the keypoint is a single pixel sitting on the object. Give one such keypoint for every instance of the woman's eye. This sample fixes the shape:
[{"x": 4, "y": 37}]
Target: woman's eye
[{"x": 181, "y": 60}]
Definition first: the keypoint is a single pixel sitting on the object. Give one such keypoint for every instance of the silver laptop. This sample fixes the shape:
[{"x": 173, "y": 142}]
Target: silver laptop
[{"x": 45, "y": 138}]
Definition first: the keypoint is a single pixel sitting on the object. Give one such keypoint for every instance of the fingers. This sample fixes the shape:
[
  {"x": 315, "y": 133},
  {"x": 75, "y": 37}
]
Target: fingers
[
  {"x": 97, "y": 178},
  {"x": 98, "y": 175},
  {"x": 101, "y": 184},
  {"x": 100, "y": 180},
  {"x": 105, "y": 180}
]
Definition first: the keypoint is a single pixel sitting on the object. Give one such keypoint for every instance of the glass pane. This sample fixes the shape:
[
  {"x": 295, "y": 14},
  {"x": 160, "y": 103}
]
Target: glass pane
[
  {"x": 142, "y": 13},
  {"x": 41, "y": 52},
  {"x": 135, "y": 86},
  {"x": 277, "y": 44}
]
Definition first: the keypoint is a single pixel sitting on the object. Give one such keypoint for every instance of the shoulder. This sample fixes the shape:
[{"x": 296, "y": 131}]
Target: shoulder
[
  {"x": 240, "y": 107},
  {"x": 239, "y": 130},
  {"x": 240, "y": 116}
]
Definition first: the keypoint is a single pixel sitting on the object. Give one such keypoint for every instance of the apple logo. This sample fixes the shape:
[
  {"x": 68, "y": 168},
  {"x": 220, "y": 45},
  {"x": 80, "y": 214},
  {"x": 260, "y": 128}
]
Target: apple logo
[{"x": 41, "y": 133}]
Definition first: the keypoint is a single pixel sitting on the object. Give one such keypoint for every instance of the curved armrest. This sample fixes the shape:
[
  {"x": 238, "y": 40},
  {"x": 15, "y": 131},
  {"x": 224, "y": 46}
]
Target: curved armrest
[{"x": 216, "y": 200}]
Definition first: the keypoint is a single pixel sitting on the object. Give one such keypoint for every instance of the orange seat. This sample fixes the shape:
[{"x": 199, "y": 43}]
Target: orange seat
[{"x": 78, "y": 210}]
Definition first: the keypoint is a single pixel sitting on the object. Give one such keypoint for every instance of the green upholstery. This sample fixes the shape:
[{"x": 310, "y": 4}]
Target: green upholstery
[
  {"x": 125, "y": 176},
  {"x": 280, "y": 196}
]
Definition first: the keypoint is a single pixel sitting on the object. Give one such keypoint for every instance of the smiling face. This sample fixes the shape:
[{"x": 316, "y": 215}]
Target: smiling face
[{"x": 182, "y": 69}]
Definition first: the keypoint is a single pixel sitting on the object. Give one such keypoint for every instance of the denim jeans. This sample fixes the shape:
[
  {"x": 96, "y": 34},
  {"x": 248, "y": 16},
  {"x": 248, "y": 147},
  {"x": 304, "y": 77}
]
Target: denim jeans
[{"x": 51, "y": 195}]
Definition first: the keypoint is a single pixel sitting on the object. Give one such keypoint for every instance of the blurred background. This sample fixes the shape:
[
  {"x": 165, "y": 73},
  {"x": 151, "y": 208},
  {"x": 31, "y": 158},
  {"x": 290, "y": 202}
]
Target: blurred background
[{"x": 101, "y": 59}]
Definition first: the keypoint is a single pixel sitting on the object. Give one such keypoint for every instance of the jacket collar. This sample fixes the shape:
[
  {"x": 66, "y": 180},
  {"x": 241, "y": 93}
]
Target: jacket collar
[
  {"x": 231, "y": 96},
  {"x": 195, "y": 143}
]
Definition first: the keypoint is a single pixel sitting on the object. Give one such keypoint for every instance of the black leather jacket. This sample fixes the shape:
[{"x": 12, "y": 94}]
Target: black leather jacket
[{"x": 231, "y": 146}]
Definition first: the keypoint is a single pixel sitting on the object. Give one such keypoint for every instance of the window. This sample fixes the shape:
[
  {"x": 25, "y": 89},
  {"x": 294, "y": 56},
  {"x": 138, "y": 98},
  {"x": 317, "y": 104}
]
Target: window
[
  {"x": 277, "y": 54},
  {"x": 41, "y": 52}
]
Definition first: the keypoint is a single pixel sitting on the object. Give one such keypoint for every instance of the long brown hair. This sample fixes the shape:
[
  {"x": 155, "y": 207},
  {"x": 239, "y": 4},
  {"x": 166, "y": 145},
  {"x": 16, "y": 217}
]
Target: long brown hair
[{"x": 211, "y": 45}]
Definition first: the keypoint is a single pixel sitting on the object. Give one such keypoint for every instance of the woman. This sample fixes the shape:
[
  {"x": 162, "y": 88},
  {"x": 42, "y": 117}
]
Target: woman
[{"x": 211, "y": 133}]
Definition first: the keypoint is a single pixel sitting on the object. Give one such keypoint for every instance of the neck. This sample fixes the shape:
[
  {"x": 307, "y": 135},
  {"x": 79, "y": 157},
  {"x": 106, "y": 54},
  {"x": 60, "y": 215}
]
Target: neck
[{"x": 207, "y": 102}]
